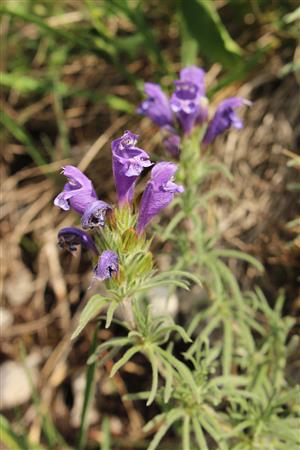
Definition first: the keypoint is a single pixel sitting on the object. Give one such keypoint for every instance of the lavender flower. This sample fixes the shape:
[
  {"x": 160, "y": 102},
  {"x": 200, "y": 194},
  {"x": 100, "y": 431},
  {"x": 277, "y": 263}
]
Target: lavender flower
[
  {"x": 108, "y": 264},
  {"x": 94, "y": 215},
  {"x": 159, "y": 192},
  {"x": 128, "y": 163},
  {"x": 70, "y": 238},
  {"x": 172, "y": 144},
  {"x": 195, "y": 75},
  {"x": 78, "y": 193},
  {"x": 188, "y": 101},
  {"x": 156, "y": 106},
  {"x": 224, "y": 118}
]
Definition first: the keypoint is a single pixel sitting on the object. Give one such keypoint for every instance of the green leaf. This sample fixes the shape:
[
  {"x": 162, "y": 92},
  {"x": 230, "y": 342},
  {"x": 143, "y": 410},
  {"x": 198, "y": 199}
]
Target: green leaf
[
  {"x": 165, "y": 331},
  {"x": 66, "y": 36},
  {"x": 115, "y": 342},
  {"x": 179, "y": 273},
  {"x": 200, "y": 438},
  {"x": 154, "y": 386},
  {"x": 134, "y": 12},
  {"x": 152, "y": 284},
  {"x": 228, "y": 253},
  {"x": 231, "y": 281},
  {"x": 172, "y": 224},
  {"x": 213, "y": 429},
  {"x": 186, "y": 433},
  {"x": 155, "y": 421},
  {"x": 20, "y": 134},
  {"x": 205, "y": 26},
  {"x": 106, "y": 440},
  {"x": 189, "y": 47},
  {"x": 227, "y": 348},
  {"x": 110, "y": 313},
  {"x": 125, "y": 358},
  {"x": 14, "y": 441},
  {"x": 21, "y": 83},
  {"x": 170, "y": 419},
  {"x": 91, "y": 309},
  {"x": 119, "y": 104},
  {"x": 109, "y": 356},
  {"x": 209, "y": 328},
  {"x": 231, "y": 380},
  {"x": 181, "y": 368},
  {"x": 88, "y": 395},
  {"x": 169, "y": 383}
]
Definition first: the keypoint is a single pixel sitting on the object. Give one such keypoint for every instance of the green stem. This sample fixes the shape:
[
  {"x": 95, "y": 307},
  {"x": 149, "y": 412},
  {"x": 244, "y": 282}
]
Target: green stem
[{"x": 128, "y": 312}]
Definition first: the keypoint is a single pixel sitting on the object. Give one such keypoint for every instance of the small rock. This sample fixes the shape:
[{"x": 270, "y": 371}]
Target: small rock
[
  {"x": 15, "y": 387},
  {"x": 116, "y": 426},
  {"x": 6, "y": 319},
  {"x": 19, "y": 286},
  {"x": 163, "y": 303}
]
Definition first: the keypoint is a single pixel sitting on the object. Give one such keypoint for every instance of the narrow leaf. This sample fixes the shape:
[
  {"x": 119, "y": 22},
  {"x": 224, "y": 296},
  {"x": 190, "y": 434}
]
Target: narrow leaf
[
  {"x": 91, "y": 309},
  {"x": 154, "y": 377},
  {"x": 88, "y": 395},
  {"x": 227, "y": 348},
  {"x": 204, "y": 24},
  {"x": 125, "y": 358},
  {"x": 200, "y": 438},
  {"x": 186, "y": 433},
  {"x": 110, "y": 313},
  {"x": 171, "y": 418}
]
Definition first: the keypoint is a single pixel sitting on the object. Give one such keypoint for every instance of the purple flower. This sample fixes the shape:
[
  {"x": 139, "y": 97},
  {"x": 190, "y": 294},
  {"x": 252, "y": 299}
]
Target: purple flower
[
  {"x": 224, "y": 118},
  {"x": 108, "y": 264},
  {"x": 194, "y": 75},
  {"x": 128, "y": 163},
  {"x": 156, "y": 106},
  {"x": 70, "y": 238},
  {"x": 188, "y": 101},
  {"x": 78, "y": 193},
  {"x": 94, "y": 214},
  {"x": 159, "y": 192},
  {"x": 172, "y": 144}
]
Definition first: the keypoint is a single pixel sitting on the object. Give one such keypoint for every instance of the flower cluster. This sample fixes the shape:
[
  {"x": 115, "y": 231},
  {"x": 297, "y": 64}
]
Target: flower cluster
[
  {"x": 187, "y": 108},
  {"x": 128, "y": 162}
]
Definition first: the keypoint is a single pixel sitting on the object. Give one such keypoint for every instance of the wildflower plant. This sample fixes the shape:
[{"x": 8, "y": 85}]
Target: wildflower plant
[
  {"x": 228, "y": 389},
  {"x": 229, "y": 319},
  {"x": 115, "y": 236}
]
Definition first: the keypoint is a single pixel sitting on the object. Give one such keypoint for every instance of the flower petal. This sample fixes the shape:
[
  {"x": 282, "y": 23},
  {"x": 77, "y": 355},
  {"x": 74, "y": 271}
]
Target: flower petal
[
  {"x": 94, "y": 215},
  {"x": 159, "y": 192},
  {"x": 128, "y": 163},
  {"x": 224, "y": 118},
  {"x": 70, "y": 238},
  {"x": 156, "y": 106},
  {"x": 108, "y": 265},
  {"x": 78, "y": 192}
]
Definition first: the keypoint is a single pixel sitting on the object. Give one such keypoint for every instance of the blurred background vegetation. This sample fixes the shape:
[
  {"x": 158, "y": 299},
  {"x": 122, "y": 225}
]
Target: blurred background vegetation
[{"x": 72, "y": 74}]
